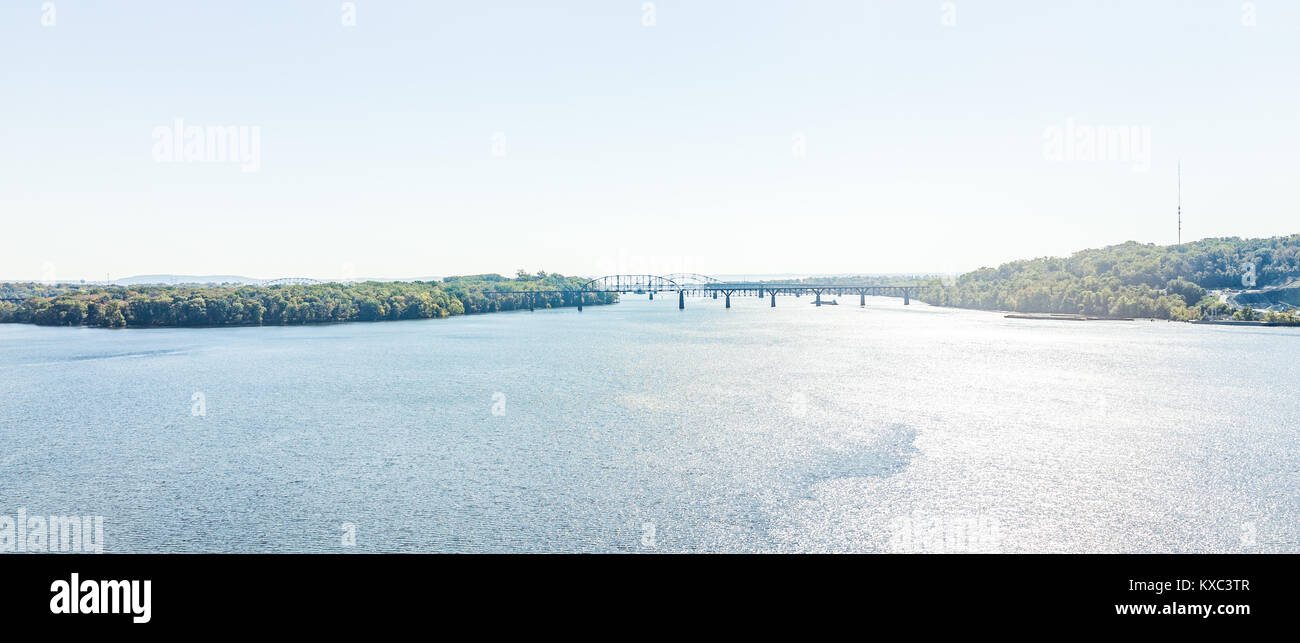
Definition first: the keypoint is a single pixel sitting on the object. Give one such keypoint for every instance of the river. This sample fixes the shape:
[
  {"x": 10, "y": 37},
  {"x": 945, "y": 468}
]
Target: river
[{"x": 639, "y": 427}]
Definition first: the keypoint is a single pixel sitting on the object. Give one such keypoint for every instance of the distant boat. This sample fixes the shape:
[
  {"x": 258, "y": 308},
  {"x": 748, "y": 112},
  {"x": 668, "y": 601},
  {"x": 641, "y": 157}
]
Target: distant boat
[{"x": 826, "y": 303}]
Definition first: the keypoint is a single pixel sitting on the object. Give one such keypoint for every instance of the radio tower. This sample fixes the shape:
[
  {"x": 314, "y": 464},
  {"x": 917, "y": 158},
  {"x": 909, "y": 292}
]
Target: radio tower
[{"x": 1180, "y": 202}]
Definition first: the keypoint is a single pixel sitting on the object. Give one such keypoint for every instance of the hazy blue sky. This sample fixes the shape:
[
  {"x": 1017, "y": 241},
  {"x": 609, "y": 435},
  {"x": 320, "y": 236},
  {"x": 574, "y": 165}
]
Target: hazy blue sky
[{"x": 437, "y": 138}]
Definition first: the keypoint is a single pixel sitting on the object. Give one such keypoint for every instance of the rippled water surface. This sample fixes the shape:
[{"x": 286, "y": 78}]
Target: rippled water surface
[{"x": 639, "y": 427}]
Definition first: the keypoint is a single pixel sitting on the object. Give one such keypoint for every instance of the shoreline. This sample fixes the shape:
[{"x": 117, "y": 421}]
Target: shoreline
[
  {"x": 1235, "y": 322},
  {"x": 1065, "y": 317},
  {"x": 291, "y": 325},
  {"x": 1081, "y": 317}
]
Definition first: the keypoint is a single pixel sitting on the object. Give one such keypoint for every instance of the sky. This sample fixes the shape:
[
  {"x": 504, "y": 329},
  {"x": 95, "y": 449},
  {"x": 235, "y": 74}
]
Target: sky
[{"x": 396, "y": 139}]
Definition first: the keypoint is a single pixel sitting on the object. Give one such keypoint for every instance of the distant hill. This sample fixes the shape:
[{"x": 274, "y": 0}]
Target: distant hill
[
  {"x": 173, "y": 280},
  {"x": 1130, "y": 279},
  {"x": 176, "y": 280}
]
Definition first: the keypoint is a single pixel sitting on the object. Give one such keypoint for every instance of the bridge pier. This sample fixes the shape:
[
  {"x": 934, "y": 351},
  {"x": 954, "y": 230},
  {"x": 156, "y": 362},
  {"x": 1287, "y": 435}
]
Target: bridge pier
[
  {"x": 726, "y": 294},
  {"x": 581, "y": 296},
  {"x": 715, "y": 294},
  {"x": 681, "y": 300},
  {"x": 907, "y": 299},
  {"x": 819, "y": 297},
  {"x": 773, "y": 299},
  {"x": 530, "y": 303},
  {"x": 862, "y": 299},
  {"x": 652, "y": 295}
]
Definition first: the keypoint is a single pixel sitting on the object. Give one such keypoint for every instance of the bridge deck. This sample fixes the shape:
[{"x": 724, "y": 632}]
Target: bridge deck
[{"x": 651, "y": 284}]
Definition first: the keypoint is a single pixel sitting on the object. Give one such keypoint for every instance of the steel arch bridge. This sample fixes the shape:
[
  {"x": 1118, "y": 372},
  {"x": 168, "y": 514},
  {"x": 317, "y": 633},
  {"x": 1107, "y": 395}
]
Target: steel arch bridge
[
  {"x": 691, "y": 278},
  {"x": 290, "y": 281},
  {"x": 630, "y": 283}
]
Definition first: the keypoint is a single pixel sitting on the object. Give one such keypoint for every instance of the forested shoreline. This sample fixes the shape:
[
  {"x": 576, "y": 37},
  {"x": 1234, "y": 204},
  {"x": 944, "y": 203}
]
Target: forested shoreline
[
  {"x": 1132, "y": 280},
  {"x": 1125, "y": 280},
  {"x": 244, "y": 305}
]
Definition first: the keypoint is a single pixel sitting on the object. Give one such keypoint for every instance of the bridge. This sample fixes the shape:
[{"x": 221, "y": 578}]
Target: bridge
[
  {"x": 289, "y": 281},
  {"x": 696, "y": 285}
]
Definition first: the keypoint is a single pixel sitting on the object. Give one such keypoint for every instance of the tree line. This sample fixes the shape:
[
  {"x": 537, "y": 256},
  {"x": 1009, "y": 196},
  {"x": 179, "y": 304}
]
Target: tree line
[
  {"x": 203, "y": 305},
  {"x": 1127, "y": 280}
]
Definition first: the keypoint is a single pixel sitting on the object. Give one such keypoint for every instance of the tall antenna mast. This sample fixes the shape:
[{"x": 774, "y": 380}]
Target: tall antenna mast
[{"x": 1180, "y": 202}]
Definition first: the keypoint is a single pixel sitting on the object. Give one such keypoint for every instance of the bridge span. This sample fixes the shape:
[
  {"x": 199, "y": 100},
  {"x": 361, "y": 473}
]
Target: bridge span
[{"x": 703, "y": 286}]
